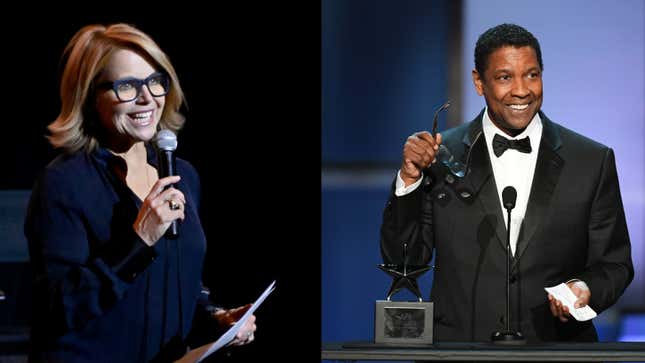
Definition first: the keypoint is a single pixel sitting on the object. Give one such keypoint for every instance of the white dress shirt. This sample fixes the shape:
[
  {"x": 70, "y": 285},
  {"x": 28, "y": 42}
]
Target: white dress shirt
[{"x": 514, "y": 168}]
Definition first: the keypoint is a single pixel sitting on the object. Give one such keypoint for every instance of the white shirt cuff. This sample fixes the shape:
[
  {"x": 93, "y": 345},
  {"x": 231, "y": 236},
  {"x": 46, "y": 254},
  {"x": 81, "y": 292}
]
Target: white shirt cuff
[
  {"x": 400, "y": 188},
  {"x": 581, "y": 284}
]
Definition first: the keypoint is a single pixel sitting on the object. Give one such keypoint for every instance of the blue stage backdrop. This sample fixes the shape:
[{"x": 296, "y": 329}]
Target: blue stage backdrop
[{"x": 384, "y": 70}]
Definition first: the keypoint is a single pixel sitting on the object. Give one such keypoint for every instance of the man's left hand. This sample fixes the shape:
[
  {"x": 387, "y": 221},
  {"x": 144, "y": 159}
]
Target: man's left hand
[{"x": 581, "y": 290}]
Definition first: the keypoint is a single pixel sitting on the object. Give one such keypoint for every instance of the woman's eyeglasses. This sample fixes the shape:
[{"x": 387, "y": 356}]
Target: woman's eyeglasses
[{"x": 128, "y": 89}]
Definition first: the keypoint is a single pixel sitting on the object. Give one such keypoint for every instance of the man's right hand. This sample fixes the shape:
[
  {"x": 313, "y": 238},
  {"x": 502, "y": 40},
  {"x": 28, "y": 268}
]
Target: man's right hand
[{"x": 419, "y": 152}]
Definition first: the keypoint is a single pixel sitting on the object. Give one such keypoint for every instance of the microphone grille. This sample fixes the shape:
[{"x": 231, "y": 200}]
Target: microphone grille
[
  {"x": 509, "y": 196},
  {"x": 166, "y": 140}
]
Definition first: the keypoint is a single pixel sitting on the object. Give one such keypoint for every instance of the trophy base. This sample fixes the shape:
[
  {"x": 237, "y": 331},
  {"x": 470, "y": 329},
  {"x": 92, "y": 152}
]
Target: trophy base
[{"x": 403, "y": 322}]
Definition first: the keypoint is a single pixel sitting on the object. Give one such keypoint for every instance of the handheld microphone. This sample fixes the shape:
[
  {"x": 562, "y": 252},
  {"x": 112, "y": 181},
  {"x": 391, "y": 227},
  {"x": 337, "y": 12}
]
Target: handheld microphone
[
  {"x": 509, "y": 337},
  {"x": 166, "y": 142}
]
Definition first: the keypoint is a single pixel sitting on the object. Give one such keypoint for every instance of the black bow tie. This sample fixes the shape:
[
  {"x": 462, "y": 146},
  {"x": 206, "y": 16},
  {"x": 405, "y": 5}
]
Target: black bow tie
[{"x": 500, "y": 144}]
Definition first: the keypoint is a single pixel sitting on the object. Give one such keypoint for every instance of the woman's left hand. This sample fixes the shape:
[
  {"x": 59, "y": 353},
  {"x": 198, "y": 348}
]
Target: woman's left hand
[{"x": 246, "y": 334}]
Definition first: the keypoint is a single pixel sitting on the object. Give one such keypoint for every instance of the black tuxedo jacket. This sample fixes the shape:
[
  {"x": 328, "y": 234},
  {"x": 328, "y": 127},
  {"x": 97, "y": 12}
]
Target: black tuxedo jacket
[{"x": 574, "y": 228}]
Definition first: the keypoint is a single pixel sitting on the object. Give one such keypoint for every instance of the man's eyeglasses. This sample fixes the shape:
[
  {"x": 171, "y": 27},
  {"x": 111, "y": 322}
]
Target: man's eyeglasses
[
  {"x": 456, "y": 168},
  {"x": 128, "y": 89},
  {"x": 444, "y": 155}
]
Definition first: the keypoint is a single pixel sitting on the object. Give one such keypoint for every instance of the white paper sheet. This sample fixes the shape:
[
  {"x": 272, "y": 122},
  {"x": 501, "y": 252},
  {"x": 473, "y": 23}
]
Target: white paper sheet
[
  {"x": 563, "y": 293},
  {"x": 232, "y": 331}
]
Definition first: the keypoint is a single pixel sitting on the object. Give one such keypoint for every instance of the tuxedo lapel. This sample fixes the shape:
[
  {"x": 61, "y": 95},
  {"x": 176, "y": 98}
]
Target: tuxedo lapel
[
  {"x": 547, "y": 173},
  {"x": 480, "y": 180}
]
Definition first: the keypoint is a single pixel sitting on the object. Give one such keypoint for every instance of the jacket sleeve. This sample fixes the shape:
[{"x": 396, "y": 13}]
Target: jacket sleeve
[
  {"x": 407, "y": 220},
  {"x": 73, "y": 285},
  {"x": 205, "y": 327},
  {"x": 609, "y": 267}
]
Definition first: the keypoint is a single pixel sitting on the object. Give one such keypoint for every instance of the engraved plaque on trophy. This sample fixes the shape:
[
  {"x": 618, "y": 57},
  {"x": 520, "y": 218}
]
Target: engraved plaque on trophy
[{"x": 403, "y": 322}]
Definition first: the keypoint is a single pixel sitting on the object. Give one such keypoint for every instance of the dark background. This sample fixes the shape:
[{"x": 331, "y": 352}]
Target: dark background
[{"x": 251, "y": 76}]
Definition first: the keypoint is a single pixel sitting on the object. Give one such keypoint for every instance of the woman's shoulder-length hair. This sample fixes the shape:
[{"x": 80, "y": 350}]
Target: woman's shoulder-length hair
[{"x": 84, "y": 58}]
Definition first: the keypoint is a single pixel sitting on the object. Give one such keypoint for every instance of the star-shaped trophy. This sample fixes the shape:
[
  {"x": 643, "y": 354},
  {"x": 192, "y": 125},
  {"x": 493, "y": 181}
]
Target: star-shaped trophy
[
  {"x": 404, "y": 277},
  {"x": 404, "y": 322}
]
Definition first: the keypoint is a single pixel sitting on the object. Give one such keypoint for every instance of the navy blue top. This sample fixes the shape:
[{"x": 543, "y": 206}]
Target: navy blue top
[{"x": 100, "y": 293}]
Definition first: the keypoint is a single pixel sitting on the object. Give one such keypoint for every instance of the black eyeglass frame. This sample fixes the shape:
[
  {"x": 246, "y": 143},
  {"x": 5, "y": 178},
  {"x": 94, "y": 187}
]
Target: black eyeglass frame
[
  {"x": 139, "y": 83},
  {"x": 456, "y": 168}
]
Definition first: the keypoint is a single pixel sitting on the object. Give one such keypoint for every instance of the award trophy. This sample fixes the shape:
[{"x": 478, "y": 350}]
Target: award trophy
[{"x": 403, "y": 322}]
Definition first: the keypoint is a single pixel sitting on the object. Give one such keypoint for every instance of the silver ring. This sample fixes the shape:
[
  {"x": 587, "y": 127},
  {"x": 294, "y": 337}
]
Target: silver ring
[{"x": 174, "y": 205}]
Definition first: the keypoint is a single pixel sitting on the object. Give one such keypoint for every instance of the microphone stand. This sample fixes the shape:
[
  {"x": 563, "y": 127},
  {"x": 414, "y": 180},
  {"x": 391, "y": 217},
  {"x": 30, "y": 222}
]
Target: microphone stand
[{"x": 508, "y": 337}]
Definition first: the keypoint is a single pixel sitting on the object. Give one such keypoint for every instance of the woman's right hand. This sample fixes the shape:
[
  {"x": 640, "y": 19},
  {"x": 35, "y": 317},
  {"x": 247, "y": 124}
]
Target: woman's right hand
[
  {"x": 419, "y": 152},
  {"x": 155, "y": 214}
]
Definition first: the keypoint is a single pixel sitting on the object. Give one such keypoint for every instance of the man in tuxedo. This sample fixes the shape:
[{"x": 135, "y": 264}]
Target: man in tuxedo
[{"x": 568, "y": 224}]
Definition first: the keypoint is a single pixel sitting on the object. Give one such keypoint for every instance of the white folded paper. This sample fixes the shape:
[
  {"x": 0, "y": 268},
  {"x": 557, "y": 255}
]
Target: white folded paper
[
  {"x": 198, "y": 354},
  {"x": 563, "y": 293}
]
